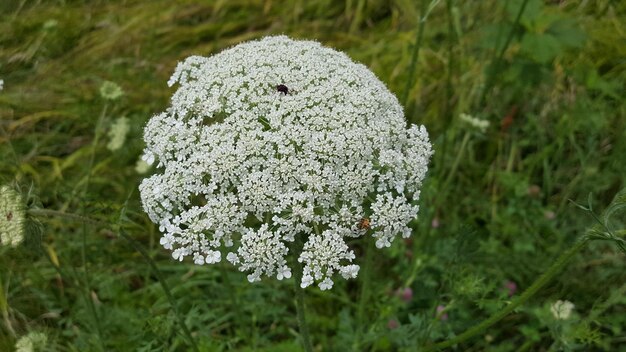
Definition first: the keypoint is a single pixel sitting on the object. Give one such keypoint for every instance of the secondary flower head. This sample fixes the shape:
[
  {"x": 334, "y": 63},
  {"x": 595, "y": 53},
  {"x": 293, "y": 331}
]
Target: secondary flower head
[
  {"x": 12, "y": 217},
  {"x": 562, "y": 309},
  {"x": 117, "y": 133},
  {"x": 474, "y": 122},
  {"x": 276, "y": 140},
  {"x": 32, "y": 342},
  {"x": 110, "y": 90}
]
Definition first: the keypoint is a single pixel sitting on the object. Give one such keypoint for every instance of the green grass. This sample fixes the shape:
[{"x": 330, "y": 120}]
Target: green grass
[{"x": 550, "y": 79}]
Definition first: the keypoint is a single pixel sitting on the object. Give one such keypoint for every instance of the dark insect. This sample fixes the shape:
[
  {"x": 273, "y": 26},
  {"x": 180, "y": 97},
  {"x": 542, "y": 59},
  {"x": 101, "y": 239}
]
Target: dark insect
[
  {"x": 283, "y": 89},
  {"x": 9, "y": 216},
  {"x": 364, "y": 224}
]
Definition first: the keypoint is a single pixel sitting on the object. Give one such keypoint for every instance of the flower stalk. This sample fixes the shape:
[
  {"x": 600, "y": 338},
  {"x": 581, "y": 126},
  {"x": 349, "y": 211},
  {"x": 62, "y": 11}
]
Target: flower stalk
[
  {"x": 545, "y": 278},
  {"x": 303, "y": 327}
]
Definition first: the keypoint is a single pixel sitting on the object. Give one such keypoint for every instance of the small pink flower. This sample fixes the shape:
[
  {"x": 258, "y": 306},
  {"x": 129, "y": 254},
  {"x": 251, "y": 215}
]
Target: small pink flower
[
  {"x": 393, "y": 324},
  {"x": 435, "y": 223},
  {"x": 441, "y": 314},
  {"x": 405, "y": 294},
  {"x": 511, "y": 287}
]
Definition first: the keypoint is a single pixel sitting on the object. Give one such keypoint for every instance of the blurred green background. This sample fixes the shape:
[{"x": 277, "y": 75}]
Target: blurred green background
[{"x": 495, "y": 209}]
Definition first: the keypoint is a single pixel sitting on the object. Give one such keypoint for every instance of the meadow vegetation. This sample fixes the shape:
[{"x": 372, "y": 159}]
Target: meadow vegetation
[{"x": 498, "y": 207}]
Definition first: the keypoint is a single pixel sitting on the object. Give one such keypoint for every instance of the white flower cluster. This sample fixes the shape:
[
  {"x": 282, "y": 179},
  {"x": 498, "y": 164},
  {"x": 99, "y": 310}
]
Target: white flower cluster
[
  {"x": 110, "y": 90},
  {"x": 321, "y": 256},
  {"x": 117, "y": 133},
  {"x": 12, "y": 217},
  {"x": 274, "y": 140},
  {"x": 32, "y": 342},
  {"x": 562, "y": 310}
]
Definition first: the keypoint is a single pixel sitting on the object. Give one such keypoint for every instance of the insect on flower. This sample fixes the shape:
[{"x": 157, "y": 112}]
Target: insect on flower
[
  {"x": 282, "y": 89},
  {"x": 364, "y": 224}
]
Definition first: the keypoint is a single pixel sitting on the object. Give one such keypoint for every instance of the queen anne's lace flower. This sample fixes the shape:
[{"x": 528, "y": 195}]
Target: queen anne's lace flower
[
  {"x": 110, "y": 90},
  {"x": 274, "y": 140},
  {"x": 32, "y": 342},
  {"x": 117, "y": 133},
  {"x": 562, "y": 309}
]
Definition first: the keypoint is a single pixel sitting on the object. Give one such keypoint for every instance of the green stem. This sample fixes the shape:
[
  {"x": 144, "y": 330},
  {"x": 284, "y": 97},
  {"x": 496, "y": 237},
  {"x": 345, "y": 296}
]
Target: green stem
[
  {"x": 457, "y": 161},
  {"x": 140, "y": 249},
  {"x": 448, "y": 107},
  {"x": 358, "y": 16},
  {"x": 545, "y": 278},
  {"x": 415, "y": 54},
  {"x": 497, "y": 62},
  {"x": 234, "y": 295},
  {"x": 83, "y": 251},
  {"x": 164, "y": 285},
  {"x": 300, "y": 306},
  {"x": 364, "y": 296},
  {"x": 61, "y": 214}
]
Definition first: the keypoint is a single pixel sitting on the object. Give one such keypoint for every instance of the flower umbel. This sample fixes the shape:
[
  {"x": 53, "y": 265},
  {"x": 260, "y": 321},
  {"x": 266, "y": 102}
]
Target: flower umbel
[
  {"x": 12, "y": 217},
  {"x": 117, "y": 133},
  {"x": 31, "y": 342},
  {"x": 562, "y": 309},
  {"x": 244, "y": 164},
  {"x": 110, "y": 90}
]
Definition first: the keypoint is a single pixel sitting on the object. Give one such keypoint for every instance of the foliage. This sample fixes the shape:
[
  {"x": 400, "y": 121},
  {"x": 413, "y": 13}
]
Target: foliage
[{"x": 495, "y": 207}]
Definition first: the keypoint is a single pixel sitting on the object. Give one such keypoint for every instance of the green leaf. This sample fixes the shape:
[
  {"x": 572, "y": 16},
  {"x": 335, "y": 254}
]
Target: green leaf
[
  {"x": 567, "y": 32},
  {"x": 542, "y": 48},
  {"x": 531, "y": 12},
  {"x": 618, "y": 204}
]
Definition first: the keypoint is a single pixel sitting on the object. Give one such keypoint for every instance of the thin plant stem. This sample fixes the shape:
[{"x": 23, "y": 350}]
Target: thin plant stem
[
  {"x": 541, "y": 281},
  {"x": 234, "y": 296},
  {"x": 358, "y": 16},
  {"x": 62, "y": 214},
  {"x": 83, "y": 251},
  {"x": 415, "y": 54},
  {"x": 303, "y": 327},
  {"x": 451, "y": 63},
  {"x": 140, "y": 249},
  {"x": 448, "y": 106},
  {"x": 4, "y": 304},
  {"x": 302, "y": 324},
  {"x": 497, "y": 62},
  {"x": 364, "y": 296},
  {"x": 164, "y": 285},
  {"x": 457, "y": 161}
]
